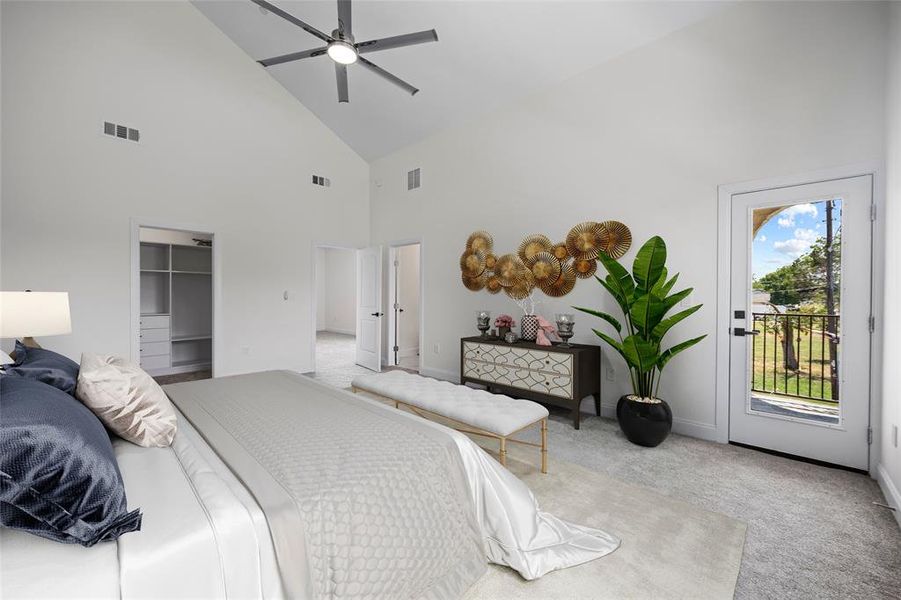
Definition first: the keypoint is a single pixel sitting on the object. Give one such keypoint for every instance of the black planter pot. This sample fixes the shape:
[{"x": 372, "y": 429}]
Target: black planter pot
[{"x": 644, "y": 423}]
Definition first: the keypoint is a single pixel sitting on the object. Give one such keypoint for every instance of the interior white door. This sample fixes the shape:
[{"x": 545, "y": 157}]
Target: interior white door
[
  {"x": 369, "y": 308},
  {"x": 800, "y": 334}
]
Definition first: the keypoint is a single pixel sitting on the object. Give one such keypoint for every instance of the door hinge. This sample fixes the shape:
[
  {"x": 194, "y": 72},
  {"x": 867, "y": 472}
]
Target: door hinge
[
  {"x": 869, "y": 435},
  {"x": 872, "y": 324},
  {"x": 872, "y": 212},
  {"x": 396, "y": 306},
  {"x": 396, "y": 263},
  {"x": 397, "y": 348}
]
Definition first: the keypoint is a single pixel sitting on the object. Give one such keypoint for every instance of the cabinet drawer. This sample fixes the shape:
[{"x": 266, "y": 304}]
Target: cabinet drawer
[
  {"x": 542, "y": 371},
  {"x": 154, "y": 322},
  {"x": 149, "y": 363},
  {"x": 154, "y": 335},
  {"x": 155, "y": 349}
]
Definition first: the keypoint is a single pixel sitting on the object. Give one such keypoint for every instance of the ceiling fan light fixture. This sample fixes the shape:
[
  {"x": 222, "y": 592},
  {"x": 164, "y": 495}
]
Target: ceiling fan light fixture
[{"x": 342, "y": 52}]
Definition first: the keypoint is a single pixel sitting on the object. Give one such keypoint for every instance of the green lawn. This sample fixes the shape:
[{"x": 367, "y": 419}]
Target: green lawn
[{"x": 812, "y": 378}]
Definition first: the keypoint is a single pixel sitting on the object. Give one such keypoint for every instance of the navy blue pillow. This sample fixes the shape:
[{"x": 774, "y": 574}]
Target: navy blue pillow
[
  {"x": 59, "y": 478},
  {"x": 46, "y": 366}
]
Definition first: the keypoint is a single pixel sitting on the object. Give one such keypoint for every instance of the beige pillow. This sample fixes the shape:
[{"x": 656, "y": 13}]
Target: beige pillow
[{"x": 128, "y": 401}]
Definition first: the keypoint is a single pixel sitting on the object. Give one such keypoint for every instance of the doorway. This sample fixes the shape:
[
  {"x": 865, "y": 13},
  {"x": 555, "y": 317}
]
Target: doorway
[
  {"x": 335, "y": 276},
  {"x": 405, "y": 295},
  {"x": 800, "y": 304}
]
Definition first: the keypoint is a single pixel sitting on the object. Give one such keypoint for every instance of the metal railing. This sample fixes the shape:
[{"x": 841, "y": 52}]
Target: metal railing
[{"x": 796, "y": 355}]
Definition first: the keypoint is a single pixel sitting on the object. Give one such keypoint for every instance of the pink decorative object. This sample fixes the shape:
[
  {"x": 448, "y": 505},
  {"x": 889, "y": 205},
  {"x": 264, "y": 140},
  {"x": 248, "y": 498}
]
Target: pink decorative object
[
  {"x": 504, "y": 321},
  {"x": 546, "y": 332}
]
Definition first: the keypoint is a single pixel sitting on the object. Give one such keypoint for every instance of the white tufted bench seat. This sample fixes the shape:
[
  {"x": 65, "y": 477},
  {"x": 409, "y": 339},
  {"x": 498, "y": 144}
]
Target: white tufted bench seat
[{"x": 478, "y": 411}]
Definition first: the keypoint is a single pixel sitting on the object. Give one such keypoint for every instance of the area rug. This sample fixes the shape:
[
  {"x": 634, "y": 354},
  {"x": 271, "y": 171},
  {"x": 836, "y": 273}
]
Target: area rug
[{"x": 669, "y": 549}]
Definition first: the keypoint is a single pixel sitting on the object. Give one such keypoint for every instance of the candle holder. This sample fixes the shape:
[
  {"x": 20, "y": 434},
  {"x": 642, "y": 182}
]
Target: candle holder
[
  {"x": 483, "y": 322},
  {"x": 565, "y": 322}
]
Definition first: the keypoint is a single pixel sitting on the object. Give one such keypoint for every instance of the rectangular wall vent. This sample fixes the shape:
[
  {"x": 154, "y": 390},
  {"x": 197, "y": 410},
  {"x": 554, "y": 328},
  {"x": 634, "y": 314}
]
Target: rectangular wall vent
[
  {"x": 414, "y": 179},
  {"x": 320, "y": 180},
  {"x": 121, "y": 131}
]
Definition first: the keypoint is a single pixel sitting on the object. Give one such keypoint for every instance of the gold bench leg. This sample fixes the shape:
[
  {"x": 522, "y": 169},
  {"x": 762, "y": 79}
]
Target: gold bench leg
[
  {"x": 504, "y": 451},
  {"x": 544, "y": 446}
]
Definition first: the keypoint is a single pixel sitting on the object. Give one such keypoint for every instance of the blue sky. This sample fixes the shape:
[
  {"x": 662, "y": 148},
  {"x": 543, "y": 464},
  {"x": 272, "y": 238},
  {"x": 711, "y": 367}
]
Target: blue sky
[{"x": 789, "y": 234}]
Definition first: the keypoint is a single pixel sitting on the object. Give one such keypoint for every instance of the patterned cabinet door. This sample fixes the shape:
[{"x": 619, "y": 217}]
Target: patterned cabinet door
[{"x": 541, "y": 371}]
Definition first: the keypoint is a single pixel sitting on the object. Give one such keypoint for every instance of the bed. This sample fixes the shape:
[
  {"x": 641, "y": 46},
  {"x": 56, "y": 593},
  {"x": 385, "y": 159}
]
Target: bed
[{"x": 279, "y": 486}]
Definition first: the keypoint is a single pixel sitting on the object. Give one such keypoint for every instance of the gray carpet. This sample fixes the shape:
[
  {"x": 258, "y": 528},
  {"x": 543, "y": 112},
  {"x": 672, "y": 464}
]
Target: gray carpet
[{"x": 813, "y": 531}]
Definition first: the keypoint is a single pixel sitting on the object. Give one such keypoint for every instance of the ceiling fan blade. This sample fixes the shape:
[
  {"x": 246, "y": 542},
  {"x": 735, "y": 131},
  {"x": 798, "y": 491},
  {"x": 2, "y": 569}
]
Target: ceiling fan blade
[
  {"x": 398, "y": 41},
  {"x": 345, "y": 19},
  {"x": 341, "y": 77},
  {"x": 277, "y": 60},
  {"x": 292, "y": 19},
  {"x": 385, "y": 74}
]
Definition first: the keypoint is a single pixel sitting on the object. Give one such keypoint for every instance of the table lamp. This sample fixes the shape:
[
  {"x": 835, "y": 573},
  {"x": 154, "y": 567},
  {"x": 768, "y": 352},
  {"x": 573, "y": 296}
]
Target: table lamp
[{"x": 28, "y": 314}]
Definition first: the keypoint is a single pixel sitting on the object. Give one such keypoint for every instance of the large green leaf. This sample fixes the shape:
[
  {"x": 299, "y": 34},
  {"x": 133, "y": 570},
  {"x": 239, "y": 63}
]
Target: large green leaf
[
  {"x": 641, "y": 354},
  {"x": 614, "y": 344},
  {"x": 661, "y": 281},
  {"x": 617, "y": 295},
  {"x": 665, "y": 325},
  {"x": 667, "y": 355},
  {"x": 674, "y": 299},
  {"x": 602, "y": 315},
  {"x": 647, "y": 311},
  {"x": 618, "y": 278},
  {"x": 649, "y": 261},
  {"x": 663, "y": 287}
]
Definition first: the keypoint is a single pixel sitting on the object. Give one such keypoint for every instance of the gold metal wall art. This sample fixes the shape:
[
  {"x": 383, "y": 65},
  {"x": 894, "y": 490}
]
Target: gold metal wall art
[
  {"x": 533, "y": 245},
  {"x": 538, "y": 262}
]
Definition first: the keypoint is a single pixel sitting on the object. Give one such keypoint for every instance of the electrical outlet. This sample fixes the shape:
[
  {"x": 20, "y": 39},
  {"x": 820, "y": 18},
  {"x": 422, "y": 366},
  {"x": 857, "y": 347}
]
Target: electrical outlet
[
  {"x": 895, "y": 436},
  {"x": 611, "y": 374},
  {"x": 436, "y": 348}
]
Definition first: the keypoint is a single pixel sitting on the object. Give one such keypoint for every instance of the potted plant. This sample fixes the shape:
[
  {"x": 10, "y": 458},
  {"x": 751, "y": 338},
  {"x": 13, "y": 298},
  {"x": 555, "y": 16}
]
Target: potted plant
[
  {"x": 644, "y": 298},
  {"x": 504, "y": 324}
]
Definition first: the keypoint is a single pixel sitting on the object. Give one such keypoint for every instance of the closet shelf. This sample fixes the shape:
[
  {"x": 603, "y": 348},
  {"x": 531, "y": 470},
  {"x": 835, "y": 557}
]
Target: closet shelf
[
  {"x": 192, "y": 363},
  {"x": 191, "y": 338},
  {"x": 191, "y": 273}
]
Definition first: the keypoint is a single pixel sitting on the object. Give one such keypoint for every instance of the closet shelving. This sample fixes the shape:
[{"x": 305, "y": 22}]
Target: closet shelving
[{"x": 176, "y": 307}]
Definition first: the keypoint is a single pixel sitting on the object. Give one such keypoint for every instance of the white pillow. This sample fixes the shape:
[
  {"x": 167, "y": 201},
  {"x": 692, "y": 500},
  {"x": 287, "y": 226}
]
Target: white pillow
[{"x": 126, "y": 399}]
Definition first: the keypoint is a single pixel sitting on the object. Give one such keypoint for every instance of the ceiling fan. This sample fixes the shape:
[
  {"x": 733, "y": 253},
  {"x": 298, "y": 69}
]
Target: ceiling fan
[{"x": 342, "y": 48}]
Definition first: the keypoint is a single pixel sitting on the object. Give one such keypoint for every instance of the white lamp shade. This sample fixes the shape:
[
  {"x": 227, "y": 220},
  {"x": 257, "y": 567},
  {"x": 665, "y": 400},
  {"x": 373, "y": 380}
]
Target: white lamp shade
[{"x": 32, "y": 314}]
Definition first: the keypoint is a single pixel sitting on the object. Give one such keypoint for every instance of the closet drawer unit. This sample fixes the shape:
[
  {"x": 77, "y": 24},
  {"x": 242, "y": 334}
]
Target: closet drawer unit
[
  {"x": 154, "y": 335},
  {"x": 150, "y": 363},
  {"x": 154, "y": 322},
  {"x": 155, "y": 349}
]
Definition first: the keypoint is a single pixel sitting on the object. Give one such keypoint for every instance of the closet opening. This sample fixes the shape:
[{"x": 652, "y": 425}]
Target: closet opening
[{"x": 174, "y": 330}]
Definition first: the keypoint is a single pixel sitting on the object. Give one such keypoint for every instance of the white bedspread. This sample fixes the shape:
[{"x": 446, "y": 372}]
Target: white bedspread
[{"x": 330, "y": 458}]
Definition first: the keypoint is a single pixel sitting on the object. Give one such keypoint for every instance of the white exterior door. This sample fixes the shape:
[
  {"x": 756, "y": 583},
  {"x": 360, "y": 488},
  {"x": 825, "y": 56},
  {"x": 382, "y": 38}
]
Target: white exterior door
[
  {"x": 800, "y": 320},
  {"x": 369, "y": 308}
]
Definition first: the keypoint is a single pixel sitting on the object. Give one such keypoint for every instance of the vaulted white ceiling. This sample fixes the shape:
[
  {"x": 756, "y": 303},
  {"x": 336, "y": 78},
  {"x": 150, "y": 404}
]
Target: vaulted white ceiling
[{"x": 488, "y": 54}]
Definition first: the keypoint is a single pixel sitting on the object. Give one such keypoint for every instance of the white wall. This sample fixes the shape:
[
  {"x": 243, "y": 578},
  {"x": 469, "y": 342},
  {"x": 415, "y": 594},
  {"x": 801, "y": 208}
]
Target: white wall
[
  {"x": 756, "y": 91},
  {"x": 224, "y": 147},
  {"x": 340, "y": 290},
  {"x": 890, "y": 471}
]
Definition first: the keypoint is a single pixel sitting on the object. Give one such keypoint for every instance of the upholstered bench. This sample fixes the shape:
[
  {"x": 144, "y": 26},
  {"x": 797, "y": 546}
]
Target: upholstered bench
[{"x": 476, "y": 411}]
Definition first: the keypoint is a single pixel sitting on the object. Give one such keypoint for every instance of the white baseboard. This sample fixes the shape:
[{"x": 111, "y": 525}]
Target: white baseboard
[
  {"x": 892, "y": 496},
  {"x": 341, "y": 331}
]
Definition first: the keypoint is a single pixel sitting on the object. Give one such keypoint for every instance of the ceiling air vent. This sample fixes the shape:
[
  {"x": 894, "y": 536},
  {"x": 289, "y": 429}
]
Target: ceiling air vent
[
  {"x": 413, "y": 179},
  {"x": 320, "y": 180},
  {"x": 121, "y": 131}
]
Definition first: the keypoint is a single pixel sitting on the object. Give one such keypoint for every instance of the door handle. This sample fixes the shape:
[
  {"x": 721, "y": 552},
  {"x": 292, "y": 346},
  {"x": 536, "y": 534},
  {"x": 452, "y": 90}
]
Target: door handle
[
  {"x": 741, "y": 331},
  {"x": 376, "y": 314},
  {"x": 400, "y": 310}
]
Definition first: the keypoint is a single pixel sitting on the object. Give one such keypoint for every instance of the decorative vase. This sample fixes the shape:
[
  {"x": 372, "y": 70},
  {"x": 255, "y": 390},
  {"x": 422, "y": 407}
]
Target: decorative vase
[
  {"x": 646, "y": 422},
  {"x": 502, "y": 332},
  {"x": 529, "y": 328}
]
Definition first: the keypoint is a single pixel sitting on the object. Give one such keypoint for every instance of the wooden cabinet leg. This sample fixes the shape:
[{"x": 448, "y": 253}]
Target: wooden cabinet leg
[
  {"x": 504, "y": 451},
  {"x": 597, "y": 404},
  {"x": 577, "y": 416}
]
